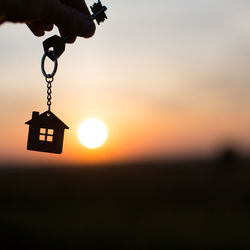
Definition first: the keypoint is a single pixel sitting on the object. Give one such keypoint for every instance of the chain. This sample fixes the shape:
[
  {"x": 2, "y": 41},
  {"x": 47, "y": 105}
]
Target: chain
[{"x": 49, "y": 79}]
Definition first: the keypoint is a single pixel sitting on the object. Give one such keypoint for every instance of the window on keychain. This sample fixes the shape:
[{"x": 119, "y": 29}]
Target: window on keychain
[{"x": 46, "y": 135}]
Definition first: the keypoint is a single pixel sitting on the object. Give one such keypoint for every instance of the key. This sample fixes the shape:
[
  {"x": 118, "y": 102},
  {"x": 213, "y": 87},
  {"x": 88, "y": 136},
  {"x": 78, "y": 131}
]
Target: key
[{"x": 98, "y": 12}]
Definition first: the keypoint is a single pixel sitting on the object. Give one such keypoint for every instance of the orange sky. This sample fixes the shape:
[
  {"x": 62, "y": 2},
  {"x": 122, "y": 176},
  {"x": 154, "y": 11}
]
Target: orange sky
[{"x": 170, "y": 79}]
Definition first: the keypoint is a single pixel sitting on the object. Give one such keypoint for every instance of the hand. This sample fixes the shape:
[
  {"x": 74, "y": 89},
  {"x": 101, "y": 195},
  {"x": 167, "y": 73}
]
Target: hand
[{"x": 72, "y": 17}]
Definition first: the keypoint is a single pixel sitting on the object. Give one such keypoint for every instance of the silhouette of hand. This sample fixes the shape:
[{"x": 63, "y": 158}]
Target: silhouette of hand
[{"x": 72, "y": 17}]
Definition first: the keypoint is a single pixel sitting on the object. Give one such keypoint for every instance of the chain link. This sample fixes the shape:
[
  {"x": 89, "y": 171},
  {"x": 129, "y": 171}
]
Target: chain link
[{"x": 49, "y": 79}]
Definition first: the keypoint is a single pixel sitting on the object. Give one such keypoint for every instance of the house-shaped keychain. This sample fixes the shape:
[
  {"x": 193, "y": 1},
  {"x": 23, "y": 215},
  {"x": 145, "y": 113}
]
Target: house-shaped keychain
[{"x": 46, "y": 133}]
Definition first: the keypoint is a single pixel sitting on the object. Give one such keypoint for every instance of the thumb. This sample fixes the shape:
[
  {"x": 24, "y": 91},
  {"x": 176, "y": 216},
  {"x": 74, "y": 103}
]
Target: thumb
[{"x": 70, "y": 21}]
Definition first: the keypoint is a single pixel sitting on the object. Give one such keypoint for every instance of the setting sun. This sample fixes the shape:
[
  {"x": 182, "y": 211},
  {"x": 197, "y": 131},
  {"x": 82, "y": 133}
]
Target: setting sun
[{"x": 92, "y": 133}]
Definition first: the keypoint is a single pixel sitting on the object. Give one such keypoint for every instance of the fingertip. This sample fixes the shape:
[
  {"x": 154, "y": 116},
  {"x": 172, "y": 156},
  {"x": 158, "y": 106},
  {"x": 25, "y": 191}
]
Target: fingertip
[
  {"x": 36, "y": 29},
  {"x": 38, "y": 33},
  {"x": 71, "y": 39},
  {"x": 89, "y": 29},
  {"x": 48, "y": 26},
  {"x": 42, "y": 33}
]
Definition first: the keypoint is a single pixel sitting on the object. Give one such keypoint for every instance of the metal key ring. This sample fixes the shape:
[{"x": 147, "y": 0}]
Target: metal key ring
[{"x": 43, "y": 66}]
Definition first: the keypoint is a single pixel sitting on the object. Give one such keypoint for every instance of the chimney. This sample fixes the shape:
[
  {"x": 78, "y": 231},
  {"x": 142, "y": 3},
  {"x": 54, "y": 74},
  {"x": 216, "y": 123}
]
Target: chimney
[{"x": 35, "y": 114}]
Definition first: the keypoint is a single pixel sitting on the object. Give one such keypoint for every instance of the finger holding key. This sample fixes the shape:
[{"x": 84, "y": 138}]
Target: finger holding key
[{"x": 71, "y": 21}]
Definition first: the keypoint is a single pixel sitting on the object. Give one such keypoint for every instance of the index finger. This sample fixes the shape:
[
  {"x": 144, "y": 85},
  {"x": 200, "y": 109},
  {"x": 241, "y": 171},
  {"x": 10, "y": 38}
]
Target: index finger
[{"x": 78, "y": 5}]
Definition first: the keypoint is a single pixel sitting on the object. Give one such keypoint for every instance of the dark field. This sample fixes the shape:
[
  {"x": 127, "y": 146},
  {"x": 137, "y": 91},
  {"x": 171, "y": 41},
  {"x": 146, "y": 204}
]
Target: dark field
[{"x": 144, "y": 206}]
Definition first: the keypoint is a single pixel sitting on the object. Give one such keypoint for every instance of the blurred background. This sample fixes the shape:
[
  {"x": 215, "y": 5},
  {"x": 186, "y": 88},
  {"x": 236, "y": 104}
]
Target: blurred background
[{"x": 170, "y": 79}]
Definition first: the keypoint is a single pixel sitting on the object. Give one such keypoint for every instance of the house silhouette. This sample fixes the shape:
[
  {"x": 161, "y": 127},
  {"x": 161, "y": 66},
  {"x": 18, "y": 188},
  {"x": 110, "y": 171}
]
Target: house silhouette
[{"x": 46, "y": 132}]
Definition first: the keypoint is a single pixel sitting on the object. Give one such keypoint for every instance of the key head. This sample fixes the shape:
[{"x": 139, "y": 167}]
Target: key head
[
  {"x": 58, "y": 45},
  {"x": 98, "y": 11}
]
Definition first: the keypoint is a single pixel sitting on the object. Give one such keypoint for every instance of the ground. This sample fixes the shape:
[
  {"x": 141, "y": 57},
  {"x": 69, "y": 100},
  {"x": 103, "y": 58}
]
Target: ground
[{"x": 201, "y": 205}]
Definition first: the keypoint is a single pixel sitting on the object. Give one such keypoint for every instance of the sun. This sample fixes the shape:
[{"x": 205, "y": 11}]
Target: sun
[{"x": 92, "y": 133}]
